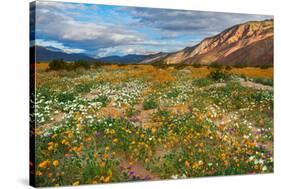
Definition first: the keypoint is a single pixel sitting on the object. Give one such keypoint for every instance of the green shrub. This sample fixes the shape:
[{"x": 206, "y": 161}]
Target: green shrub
[
  {"x": 240, "y": 65},
  {"x": 216, "y": 65},
  {"x": 262, "y": 96},
  {"x": 102, "y": 99},
  {"x": 62, "y": 65},
  {"x": 46, "y": 92},
  {"x": 228, "y": 67},
  {"x": 57, "y": 65},
  {"x": 160, "y": 64},
  {"x": 150, "y": 103},
  {"x": 81, "y": 64},
  {"x": 265, "y": 66},
  {"x": 173, "y": 93},
  {"x": 202, "y": 82},
  {"x": 196, "y": 65},
  {"x": 64, "y": 97},
  {"x": 264, "y": 81},
  {"x": 84, "y": 88},
  {"x": 179, "y": 66},
  {"x": 218, "y": 75}
]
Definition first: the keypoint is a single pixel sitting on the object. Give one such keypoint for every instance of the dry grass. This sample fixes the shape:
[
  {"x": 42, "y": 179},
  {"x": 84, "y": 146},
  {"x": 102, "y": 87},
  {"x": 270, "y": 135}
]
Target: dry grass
[
  {"x": 136, "y": 71},
  {"x": 42, "y": 66},
  {"x": 249, "y": 72},
  {"x": 199, "y": 72},
  {"x": 254, "y": 72}
]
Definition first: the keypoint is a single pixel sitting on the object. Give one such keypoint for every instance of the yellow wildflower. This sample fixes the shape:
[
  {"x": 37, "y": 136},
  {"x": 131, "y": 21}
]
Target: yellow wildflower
[
  {"x": 107, "y": 148},
  {"x": 76, "y": 183},
  {"x": 70, "y": 135},
  {"x": 50, "y": 148},
  {"x": 38, "y": 173},
  {"x": 55, "y": 163},
  {"x": 44, "y": 164},
  {"x": 96, "y": 155},
  {"x": 107, "y": 179}
]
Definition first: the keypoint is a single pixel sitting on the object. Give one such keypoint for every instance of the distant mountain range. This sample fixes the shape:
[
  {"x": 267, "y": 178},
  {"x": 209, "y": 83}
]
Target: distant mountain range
[
  {"x": 250, "y": 43},
  {"x": 132, "y": 58},
  {"x": 44, "y": 54}
]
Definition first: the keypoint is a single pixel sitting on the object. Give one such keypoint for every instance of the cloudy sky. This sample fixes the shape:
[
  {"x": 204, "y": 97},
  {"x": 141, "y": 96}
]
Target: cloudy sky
[{"x": 100, "y": 30}]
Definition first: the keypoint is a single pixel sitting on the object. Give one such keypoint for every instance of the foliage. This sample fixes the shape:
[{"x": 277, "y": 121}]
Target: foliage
[
  {"x": 228, "y": 67},
  {"x": 216, "y": 65},
  {"x": 81, "y": 64},
  {"x": 218, "y": 75},
  {"x": 97, "y": 126},
  {"x": 197, "y": 65},
  {"x": 58, "y": 65},
  {"x": 202, "y": 82},
  {"x": 150, "y": 103},
  {"x": 62, "y": 65},
  {"x": 264, "y": 81}
]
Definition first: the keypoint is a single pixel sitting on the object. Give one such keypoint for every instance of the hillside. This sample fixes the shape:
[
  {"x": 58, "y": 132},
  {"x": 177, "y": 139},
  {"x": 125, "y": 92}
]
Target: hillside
[
  {"x": 132, "y": 58},
  {"x": 250, "y": 43},
  {"x": 43, "y": 54}
]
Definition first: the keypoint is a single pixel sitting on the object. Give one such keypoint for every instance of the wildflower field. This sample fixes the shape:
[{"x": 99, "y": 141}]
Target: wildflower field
[{"x": 139, "y": 122}]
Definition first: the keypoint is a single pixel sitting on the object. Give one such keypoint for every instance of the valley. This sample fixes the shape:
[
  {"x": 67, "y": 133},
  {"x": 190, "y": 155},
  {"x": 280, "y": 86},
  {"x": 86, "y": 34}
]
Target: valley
[{"x": 119, "y": 123}]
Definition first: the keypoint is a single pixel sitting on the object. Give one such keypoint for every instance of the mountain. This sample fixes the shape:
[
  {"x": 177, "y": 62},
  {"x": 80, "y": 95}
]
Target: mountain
[
  {"x": 154, "y": 58},
  {"x": 130, "y": 58},
  {"x": 44, "y": 54},
  {"x": 250, "y": 43}
]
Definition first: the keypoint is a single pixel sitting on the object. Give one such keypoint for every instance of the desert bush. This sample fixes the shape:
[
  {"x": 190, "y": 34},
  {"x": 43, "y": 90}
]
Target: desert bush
[
  {"x": 84, "y": 87},
  {"x": 57, "y": 64},
  {"x": 160, "y": 64},
  {"x": 81, "y": 64},
  {"x": 260, "y": 96},
  {"x": 150, "y": 103},
  {"x": 179, "y": 66},
  {"x": 264, "y": 81},
  {"x": 173, "y": 93},
  {"x": 202, "y": 82},
  {"x": 62, "y": 65},
  {"x": 218, "y": 75},
  {"x": 197, "y": 65},
  {"x": 102, "y": 99},
  {"x": 265, "y": 66},
  {"x": 240, "y": 65},
  {"x": 64, "y": 97},
  {"x": 216, "y": 65},
  {"x": 228, "y": 67}
]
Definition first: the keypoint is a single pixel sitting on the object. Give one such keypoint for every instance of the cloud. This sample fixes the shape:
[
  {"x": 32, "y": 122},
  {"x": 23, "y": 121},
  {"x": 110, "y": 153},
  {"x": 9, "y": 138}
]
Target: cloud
[
  {"x": 58, "y": 25},
  {"x": 124, "y": 50},
  {"x": 181, "y": 22},
  {"x": 57, "y": 45},
  {"x": 59, "y": 6},
  {"x": 145, "y": 47},
  {"x": 100, "y": 30}
]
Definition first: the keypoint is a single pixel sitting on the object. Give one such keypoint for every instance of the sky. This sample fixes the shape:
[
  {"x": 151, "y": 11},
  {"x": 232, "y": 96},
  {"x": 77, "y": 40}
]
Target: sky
[{"x": 105, "y": 30}]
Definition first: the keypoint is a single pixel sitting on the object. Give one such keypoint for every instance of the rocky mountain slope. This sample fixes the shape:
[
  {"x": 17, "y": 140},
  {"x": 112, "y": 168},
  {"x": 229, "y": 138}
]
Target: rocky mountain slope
[{"x": 250, "y": 43}]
